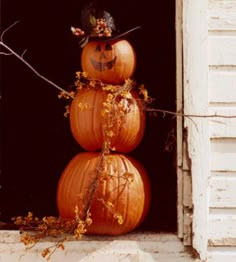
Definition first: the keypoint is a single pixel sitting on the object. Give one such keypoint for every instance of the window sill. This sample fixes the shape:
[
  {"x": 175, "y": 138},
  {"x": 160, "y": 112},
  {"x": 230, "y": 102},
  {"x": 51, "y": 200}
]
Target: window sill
[{"x": 137, "y": 246}]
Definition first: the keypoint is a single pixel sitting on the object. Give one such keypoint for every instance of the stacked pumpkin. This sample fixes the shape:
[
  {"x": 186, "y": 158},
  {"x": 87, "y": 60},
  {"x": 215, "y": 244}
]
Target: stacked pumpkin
[{"x": 107, "y": 119}]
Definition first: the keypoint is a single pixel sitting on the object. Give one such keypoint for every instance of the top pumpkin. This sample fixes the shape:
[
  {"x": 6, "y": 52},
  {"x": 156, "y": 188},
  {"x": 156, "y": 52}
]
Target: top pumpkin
[
  {"x": 109, "y": 61},
  {"x": 106, "y": 56}
]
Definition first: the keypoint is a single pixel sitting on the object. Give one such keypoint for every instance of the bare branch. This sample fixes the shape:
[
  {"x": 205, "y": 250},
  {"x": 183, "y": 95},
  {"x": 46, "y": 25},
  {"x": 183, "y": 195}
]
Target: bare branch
[
  {"x": 24, "y": 53},
  {"x": 34, "y": 70},
  {"x": 93, "y": 186},
  {"x": 20, "y": 57},
  {"x": 164, "y": 112},
  {"x": 4, "y": 53},
  {"x": 188, "y": 115},
  {"x": 7, "y": 29}
]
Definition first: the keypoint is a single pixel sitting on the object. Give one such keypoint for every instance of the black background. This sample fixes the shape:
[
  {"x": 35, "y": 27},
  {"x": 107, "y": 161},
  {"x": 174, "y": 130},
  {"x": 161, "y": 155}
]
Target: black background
[{"x": 36, "y": 143}]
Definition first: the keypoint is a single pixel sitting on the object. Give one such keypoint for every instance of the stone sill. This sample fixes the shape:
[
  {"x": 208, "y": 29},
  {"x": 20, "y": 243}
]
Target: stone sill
[{"x": 137, "y": 246}]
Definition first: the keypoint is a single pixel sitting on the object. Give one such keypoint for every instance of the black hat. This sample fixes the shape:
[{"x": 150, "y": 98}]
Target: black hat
[{"x": 97, "y": 25}]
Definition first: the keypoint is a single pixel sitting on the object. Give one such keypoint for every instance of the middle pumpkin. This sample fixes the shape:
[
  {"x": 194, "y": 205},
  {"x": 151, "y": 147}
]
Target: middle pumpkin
[{"x": 101, "y": 118}]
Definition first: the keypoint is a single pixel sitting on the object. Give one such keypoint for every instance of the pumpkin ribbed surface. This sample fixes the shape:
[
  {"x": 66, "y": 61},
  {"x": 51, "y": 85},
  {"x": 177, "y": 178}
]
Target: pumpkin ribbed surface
[
  {"x": 87, "y": 121},
  {"x": 122, "y": 189},
  {"x": 109, "y": 61}
]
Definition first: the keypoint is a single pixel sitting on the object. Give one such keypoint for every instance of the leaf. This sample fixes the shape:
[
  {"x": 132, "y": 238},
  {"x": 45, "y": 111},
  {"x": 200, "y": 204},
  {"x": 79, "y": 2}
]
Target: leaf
[
  {"x": 109, "y": 20},
  {"x": 92, "y": 20},
  {"x": 89, "y": 10},
  {"x": 84, "y": 41}
]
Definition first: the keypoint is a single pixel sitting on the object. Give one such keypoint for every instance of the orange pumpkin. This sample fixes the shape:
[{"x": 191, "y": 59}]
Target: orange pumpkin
[
  {"x": 87, "y": 121},
  {"x": 109, "y": 61},
  {"x": 122, "y": 193}
]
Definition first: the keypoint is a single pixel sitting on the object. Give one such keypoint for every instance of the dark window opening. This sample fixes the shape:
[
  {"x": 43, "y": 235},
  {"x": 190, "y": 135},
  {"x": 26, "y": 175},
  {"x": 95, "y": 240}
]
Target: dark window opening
[{"x": 36, "y": 142}]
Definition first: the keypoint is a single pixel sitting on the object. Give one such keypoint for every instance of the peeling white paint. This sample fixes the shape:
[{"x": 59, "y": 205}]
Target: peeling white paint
[
  {"x": 131, "y": 247},
  {"x": 195, "y": 53}
]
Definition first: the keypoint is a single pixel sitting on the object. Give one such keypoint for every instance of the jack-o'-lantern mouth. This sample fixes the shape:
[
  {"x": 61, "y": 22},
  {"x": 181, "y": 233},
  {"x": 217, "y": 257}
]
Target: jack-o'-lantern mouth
[{"x": 102, "y": 66}]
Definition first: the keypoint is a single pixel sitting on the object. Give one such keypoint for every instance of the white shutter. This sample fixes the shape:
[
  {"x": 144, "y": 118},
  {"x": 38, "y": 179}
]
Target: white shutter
[
  {"x": 222, "y": 101},
  {"x": 209, "y": 144}
]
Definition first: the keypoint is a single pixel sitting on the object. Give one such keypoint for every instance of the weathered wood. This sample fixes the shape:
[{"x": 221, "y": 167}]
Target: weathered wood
[
  {"x": 218, "y": 254},
  {"x": 186, "y": 159},
  {"x": 188, "y": 220},
  {"x": 179, "y": 80},
  {"x": 131, "y": 247},
  {"x": 223, "y": 154},
  {"x": 187, "y": 189},
  {"x": 226, "y": 242},
  {"x": 180, "y": 210},
  {"x": 195, "y": 50},
  {"x": 222, "y": 15},
  {"x": 222, "y": 50},
  {"x": 188, "y": 204},
  {"x": 219, "y": 3},
  {"x": 222, "y": 192},
  {"x": 179, "y": 108},
  {"x": 222, "y": 98},
  {"x": 220, "y": 127},
  {"x": 221, "y": 228},
  {"x": 222, "y": 87}
]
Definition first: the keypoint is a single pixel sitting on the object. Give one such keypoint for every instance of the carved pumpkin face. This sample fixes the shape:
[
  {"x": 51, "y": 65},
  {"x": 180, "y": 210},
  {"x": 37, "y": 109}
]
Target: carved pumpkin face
[
  {"x": 109, "y": 61},
  {"x": 100, "y": 60}
]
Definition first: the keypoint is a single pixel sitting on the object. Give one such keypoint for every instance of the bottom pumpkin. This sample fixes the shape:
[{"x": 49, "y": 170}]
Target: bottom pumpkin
[{"x": 114, "y": 187}]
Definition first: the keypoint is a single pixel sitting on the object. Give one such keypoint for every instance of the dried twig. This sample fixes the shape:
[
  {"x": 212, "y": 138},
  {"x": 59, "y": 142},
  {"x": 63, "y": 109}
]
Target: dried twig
[
  {"x": 4, "y": 53},
  {"x": 8, "y": 28},
  {"x": 94, "y": 185},
  {"x": 164, "y": 112},
  {"x": 188, "y": 115},
  {"x": 20, "y": 57}
]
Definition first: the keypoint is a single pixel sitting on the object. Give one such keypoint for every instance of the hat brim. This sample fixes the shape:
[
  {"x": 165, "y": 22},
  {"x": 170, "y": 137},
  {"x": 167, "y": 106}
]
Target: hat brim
[{"x": 115, "y": 37}]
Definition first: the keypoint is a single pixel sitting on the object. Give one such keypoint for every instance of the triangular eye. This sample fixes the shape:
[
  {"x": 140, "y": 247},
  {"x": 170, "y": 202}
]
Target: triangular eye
[
  {"x": 108, "y": 47},
  {"x": 98, "y": 48}
]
